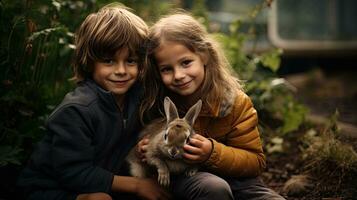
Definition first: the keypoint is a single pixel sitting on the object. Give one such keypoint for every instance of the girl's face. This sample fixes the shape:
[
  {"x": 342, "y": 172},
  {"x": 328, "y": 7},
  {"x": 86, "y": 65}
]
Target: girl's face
[{"x": 181, "y": 70}]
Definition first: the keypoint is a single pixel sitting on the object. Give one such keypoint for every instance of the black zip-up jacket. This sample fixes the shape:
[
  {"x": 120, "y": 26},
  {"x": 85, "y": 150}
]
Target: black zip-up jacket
[{"x": 86, "y": 142}]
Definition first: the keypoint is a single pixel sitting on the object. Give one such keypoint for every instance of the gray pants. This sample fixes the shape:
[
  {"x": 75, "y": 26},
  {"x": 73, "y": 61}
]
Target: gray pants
[
  {"x": 202, "y": 186},
  {"x": 205, "y": 186}
]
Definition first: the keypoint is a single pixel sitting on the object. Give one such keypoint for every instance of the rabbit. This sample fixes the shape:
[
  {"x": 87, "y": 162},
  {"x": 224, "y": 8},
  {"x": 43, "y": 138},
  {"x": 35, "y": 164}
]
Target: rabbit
[{"x": 165, "y": 148}]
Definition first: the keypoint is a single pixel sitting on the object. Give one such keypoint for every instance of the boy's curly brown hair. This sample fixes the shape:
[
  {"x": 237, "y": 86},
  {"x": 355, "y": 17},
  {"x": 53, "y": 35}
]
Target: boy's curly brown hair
[{"x": 102, "y": 34}]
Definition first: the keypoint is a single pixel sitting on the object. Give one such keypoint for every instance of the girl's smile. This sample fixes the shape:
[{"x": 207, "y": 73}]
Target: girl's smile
[
  {"x": 182, "y": 71},
  {"x": 183, "y": 85}
]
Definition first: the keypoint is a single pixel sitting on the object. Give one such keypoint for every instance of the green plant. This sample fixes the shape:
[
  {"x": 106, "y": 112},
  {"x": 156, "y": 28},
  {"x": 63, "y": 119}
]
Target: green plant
[
  {"x": 272, "y": 96},
  {"x": 36, "y": 50},
  {"x": 325, "y": 154}
]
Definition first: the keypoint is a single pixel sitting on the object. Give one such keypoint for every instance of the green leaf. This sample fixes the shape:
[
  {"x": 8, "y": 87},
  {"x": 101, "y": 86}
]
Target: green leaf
[
  {"x": 9, "y": 155},
  {"x": 234, "y": 26},
  {"x": 271, "y": 59},
  {"x": 293, "y": 116},
  {"x": 46, "y": 31}
]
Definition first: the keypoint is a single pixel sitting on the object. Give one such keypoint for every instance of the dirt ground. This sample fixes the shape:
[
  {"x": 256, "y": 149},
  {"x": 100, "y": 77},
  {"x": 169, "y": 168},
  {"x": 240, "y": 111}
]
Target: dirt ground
[
  {"x": 322, "y": 91},
  {"x": 282, "y": 167}
]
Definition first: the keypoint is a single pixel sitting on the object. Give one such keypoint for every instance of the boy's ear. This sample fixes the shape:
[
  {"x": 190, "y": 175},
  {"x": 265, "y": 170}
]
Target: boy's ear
[
  {"x": 193, "y": 112},
  {"x": 170, "y": 110}
]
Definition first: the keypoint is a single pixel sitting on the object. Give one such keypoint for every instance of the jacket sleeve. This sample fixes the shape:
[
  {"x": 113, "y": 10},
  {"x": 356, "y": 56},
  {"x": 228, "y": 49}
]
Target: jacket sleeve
[
  {"x": 241, "y": 155},
  {"x": 73, "y": 152}
]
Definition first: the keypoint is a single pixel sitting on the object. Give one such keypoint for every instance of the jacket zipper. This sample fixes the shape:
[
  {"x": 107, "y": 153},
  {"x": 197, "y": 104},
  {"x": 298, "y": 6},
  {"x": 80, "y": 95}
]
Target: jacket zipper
[{"x": 124, "y": 122}]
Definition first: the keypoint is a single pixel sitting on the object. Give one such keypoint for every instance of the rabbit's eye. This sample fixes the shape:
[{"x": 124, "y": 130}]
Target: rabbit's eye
[{"x": 165, "y": 135}]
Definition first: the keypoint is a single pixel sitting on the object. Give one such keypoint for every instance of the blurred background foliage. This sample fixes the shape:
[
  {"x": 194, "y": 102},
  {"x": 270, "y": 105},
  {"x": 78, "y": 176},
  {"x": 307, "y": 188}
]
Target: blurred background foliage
[{"x": 36, "y": 56}]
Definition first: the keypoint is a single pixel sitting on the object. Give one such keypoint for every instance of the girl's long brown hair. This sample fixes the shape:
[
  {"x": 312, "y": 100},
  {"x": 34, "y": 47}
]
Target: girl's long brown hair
[{"x": 184, "y": 29}]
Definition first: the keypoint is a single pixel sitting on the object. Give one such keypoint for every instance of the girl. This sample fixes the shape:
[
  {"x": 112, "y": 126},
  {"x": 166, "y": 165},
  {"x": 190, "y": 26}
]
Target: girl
[{"x": 187, "y": 65}]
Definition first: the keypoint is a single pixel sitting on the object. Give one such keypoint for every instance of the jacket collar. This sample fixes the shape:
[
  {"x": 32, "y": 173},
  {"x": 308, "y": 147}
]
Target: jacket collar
[
  {"x": 132, "y": 98},
  {"x": 220, "y": 108}
]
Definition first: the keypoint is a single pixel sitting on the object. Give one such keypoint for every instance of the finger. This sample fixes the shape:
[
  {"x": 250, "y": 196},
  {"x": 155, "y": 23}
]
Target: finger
[
  {"x": 138, "y": 150},
  {"x": 145, "y": 141},
  {"x": 138, "y": 146},
  {"x": 190, "y": 158},
  {"x": 195, "y": 142},
  {"x": 144, "y": 148},
  {"x": 191, "y": 149},
  {"x": 199, "y": 137}
]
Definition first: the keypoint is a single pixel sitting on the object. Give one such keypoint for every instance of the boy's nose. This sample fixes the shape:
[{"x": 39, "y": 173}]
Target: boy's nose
[{"x": 120, "y": 69}]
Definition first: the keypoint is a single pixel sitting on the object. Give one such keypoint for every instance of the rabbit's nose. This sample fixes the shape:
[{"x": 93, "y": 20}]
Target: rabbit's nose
[{"x": 173, "y": 152}]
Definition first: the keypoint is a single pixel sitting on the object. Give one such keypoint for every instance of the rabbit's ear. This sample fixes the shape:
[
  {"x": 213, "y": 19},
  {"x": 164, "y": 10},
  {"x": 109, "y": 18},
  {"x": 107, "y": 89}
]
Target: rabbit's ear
[
  {"x": 170, "y": 110},
  {"x": 193, "y": 112}
]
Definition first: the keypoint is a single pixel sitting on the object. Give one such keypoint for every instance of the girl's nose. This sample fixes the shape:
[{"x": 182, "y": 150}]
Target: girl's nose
[
  {"x": 179, "y": 74},
  {"x": 120, "y": 69}
]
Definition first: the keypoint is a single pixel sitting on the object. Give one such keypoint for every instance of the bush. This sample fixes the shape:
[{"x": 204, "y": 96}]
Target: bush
[{"x": 36, "y": 51}]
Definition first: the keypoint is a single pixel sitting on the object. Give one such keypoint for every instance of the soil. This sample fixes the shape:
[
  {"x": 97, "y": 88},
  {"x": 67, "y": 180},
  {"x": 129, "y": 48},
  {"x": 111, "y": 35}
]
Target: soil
[
  {"x": 283, "y": 166},
  {"x": 323, "y": 91}
]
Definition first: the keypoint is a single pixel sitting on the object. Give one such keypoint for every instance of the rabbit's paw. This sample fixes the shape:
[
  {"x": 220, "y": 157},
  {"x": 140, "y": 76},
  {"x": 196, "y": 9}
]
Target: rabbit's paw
[
  {"x": 164, "y": 178},
  {"x": 191, "y": 172},
  {"x": 137, "y": 170}
]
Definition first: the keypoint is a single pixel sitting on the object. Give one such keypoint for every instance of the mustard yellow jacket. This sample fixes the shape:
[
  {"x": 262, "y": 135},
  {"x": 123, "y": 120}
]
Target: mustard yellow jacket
[{"x": 232, "y": 127}]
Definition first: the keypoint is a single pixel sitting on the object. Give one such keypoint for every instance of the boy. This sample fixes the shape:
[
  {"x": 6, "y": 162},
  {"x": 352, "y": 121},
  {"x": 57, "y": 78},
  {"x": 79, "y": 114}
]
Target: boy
[{"x": 92, "y": 130}]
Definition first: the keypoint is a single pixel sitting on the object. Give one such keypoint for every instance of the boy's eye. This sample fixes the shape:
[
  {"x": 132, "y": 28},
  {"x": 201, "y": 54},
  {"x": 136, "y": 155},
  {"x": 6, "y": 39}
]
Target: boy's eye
[
  {"x": 108, "y": 61},
  {"x": 132, "y": 61}
]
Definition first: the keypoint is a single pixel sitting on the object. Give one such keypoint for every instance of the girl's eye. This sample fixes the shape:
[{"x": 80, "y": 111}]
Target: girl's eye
[
  {"x": 186, "y": 62},
  {"x": 165, "y": 69}
]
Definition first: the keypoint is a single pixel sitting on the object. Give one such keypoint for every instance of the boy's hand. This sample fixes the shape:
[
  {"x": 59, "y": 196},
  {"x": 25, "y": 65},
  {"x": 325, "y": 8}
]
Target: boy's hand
[
  {"x": 149, "y": 189},
  {"x": 141, "y": 149},
  {"x": 198, "y": 150}
]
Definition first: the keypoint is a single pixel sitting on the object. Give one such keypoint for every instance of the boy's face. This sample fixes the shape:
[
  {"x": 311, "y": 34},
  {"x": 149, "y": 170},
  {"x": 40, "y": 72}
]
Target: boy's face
[{"x": 117, "y": 74}]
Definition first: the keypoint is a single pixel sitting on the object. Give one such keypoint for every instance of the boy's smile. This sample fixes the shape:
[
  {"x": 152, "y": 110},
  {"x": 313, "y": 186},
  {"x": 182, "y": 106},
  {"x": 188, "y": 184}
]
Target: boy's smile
[
  {"x": 181, "y": 70},
  {"x": 117, "y": 74}
]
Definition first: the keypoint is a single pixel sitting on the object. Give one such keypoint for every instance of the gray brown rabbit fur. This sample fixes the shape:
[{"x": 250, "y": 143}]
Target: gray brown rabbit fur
[{"x": 165, "y": 148}]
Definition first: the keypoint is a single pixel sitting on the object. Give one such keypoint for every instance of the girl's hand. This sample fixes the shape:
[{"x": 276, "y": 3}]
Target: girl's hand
[
  {"x": 149, "y": 189},
  {"x": 141, "y": 149},
  {"x": 198, "y": 150}
]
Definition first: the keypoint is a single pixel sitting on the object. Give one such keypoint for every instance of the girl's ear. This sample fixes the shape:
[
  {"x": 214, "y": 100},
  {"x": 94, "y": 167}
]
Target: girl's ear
[
  {"x": 193, "y": 112},
  {"x": 204, "y": 57},
  {"x": 170, "y": 110}
]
